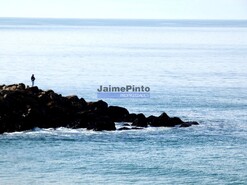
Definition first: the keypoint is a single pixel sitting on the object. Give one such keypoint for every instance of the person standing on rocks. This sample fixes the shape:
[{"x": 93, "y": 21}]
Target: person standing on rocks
[{"x": 32, "y": 79}]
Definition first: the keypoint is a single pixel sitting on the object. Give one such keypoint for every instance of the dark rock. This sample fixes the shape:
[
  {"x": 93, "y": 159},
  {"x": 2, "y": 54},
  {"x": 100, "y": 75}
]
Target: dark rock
[
  {"x": 140, "y": 121},
  {"x": 83, "y": 102},
  {"x": 136, "y": 128},
  {"x": 101, "y": 123},
  {"x": 85, "y": 118},
  {"x": 99, "y": 106},
  {"x": 24, "y": 108},
  {"x": 132, "y": 128},
  {"x": 172, "y": 122},
  {"x": 150, "y": 119},
  {"x": 117, "y": 114},
  {"x": 33, "y": 90},
  {"x": 73, "y": 98},
  {"x": 124, "y": 128},
  {"x": 164, "y": 116},
  {"x": 2, "y": 87},
  {"x": 94, "y": 121},
  {"x": 164, "y": 121},
  {"x": 130, "y": 117},
  {"x": 21, "y": 86},
  {"x": 160, "y": 121},
  {"x": 185, "y": 125},
  {"x": 193, "y": 122},
  {"x": 188, "y": 124}
]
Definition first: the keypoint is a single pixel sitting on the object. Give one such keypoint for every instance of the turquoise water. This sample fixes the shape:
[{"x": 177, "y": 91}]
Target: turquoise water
[{"x": 196, "y": 70}]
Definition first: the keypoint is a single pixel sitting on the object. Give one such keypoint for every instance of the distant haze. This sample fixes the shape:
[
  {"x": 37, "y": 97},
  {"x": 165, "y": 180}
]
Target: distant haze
[{"x": 126, "y": 9}]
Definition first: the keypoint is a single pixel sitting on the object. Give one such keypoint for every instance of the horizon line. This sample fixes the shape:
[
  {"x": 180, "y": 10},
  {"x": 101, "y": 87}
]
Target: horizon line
[{"x": 129, "y": 19}]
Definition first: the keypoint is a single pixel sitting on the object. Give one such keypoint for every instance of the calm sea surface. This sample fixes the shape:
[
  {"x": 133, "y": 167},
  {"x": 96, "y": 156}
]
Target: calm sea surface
[{"x": 196, "y": 70}]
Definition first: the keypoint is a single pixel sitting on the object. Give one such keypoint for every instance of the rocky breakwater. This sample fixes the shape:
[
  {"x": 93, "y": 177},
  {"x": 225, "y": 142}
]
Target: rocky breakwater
[{"x": 24, "y": 108}]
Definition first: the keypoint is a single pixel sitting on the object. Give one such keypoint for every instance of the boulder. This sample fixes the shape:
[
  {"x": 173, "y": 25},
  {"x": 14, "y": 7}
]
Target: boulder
[
  {"x": 117, "y": 114},
  {"x": 130, "y": 117},
  {"x": 160, "y": 121},
  {"x": 164, "y": 121},
  {"x": 172, "y": 122},
  {"x": 99, "y": 106},
  {"x": 140, "y": 121},
  {"x": 101, "y": 124},
  {"x": 21, "y": 86},
  {"x": 72, "y": 98},
  {"x": 94, "y": 121},
  {"x": 2, "y": 87},
  {"x": 189, "y": 123},
  {"x": 33, "y": 90},
  {"x": 150, "y": 119}
]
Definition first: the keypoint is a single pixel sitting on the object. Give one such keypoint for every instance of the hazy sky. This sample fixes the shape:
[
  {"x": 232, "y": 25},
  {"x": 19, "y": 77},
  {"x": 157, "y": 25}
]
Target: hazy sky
[{"x": 146, "y": 9}]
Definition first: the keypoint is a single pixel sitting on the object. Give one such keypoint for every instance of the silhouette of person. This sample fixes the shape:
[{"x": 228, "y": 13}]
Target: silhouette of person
[{"x": 32, "y": 79}]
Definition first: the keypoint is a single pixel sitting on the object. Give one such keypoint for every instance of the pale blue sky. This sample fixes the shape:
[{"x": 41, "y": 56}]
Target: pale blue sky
[{"x": 138, "y": 9}]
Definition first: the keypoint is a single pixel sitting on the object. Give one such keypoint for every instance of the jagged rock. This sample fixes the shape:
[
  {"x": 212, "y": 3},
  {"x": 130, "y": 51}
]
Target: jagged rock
[{"x": 23, "y": 108}]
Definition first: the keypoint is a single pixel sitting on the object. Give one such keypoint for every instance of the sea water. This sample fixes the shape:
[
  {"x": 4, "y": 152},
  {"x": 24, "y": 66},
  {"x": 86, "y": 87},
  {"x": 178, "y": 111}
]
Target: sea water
[{"x": 196, "y": 70}]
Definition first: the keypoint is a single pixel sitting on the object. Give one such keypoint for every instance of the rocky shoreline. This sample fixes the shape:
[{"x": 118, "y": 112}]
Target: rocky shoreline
[{"x": 24, "y": 108}]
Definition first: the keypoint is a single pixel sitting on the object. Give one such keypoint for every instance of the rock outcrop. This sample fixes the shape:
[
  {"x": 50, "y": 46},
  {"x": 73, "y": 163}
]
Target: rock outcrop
[{"x": 24, "y": 108}]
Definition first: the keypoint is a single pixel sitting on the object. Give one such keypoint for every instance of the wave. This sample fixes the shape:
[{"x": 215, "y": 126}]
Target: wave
[{"x": 63, "y": 131}]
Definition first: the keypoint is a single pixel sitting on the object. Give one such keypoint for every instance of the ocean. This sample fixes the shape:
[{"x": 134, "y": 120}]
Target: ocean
[{"x": 195, "y": 69}]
